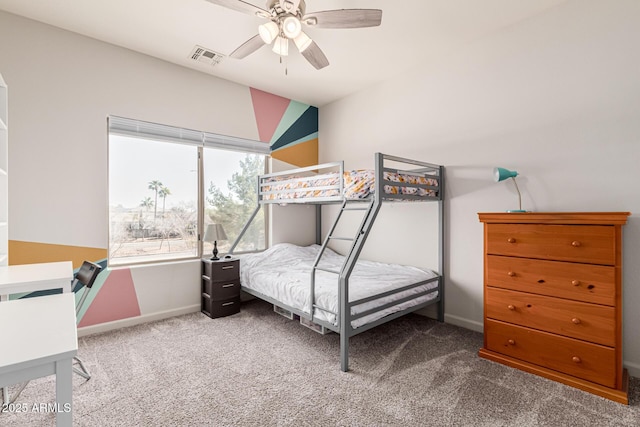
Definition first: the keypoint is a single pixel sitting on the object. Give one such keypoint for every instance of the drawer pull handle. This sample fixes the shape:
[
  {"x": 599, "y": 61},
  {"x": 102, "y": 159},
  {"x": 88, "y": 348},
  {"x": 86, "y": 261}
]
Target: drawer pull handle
[
  {"x": 511, "y": 240},
  {"x": 575, "y": 282},
  {"x": 541, "y": 281},
  {"x": 227, "y": 267},
  {"x": 228, "y": 285},
  {"x": 511, "y": 342},
  {"x": 227, "y": 303},
  {"x": 576, "y": 244},
  {"x": 511, "y": 307},
  {"x": 575, "y": 320},
  {"x": 511, "y": 274},
  {"x": 576, "y": 359}
]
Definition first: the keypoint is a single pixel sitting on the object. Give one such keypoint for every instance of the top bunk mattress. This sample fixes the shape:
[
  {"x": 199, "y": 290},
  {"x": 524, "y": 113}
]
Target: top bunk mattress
[
  {"x": 283, "y": 273},
  {"x": 357, "y": 184}
]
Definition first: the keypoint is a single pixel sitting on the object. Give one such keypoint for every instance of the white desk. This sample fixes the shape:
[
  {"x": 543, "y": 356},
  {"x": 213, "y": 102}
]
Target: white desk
[
  {"x": 36, "y": 277},
  {"x": 41, "y": 340}
]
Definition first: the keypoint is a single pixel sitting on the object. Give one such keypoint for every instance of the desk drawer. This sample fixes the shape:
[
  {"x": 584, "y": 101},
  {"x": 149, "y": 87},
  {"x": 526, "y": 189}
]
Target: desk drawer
[
  {"x": 591, "y": 362},
  {"x": 588, "y": 322},
  {"x": 581, "y": 282},
  {"x": 593, "y": 244}
]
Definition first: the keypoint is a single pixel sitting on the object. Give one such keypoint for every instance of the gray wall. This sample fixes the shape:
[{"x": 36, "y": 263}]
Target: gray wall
[{"x": 556, "y": 97}]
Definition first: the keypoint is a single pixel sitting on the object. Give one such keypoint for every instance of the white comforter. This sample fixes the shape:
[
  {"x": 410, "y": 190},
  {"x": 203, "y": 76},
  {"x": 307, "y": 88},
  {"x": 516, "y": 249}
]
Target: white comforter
[{"x": 283, "y": 273}]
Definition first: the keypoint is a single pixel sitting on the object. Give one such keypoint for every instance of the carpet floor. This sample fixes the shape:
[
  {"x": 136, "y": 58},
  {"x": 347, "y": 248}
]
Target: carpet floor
[{"x": 257, "y": 368}]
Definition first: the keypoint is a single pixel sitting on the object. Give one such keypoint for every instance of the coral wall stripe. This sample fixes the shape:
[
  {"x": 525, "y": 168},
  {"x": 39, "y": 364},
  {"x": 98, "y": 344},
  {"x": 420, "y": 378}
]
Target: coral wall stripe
[
  {"x": 301, "y": 155},
  {"x": 268, "y": 110},
  {"x": 95, "y": 289},
  {"x": 293, "y": 113},
  {"x": 34, "y": 252},
  {"x": 306, "y": 125},
  {"x": 116, "y": 299}
]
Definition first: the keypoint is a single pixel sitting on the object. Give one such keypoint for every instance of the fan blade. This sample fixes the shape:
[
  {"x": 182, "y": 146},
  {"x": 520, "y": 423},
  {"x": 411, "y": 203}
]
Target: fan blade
[
  {"x": 344, "y": 18},
  {"x": 248, "y": 47},
  {"x": 315, "y": 56},
  {"x": 242, "y": 6}
]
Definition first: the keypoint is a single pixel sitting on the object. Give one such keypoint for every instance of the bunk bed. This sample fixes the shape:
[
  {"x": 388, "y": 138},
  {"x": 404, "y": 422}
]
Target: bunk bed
[{"x": 340, "y": 293}]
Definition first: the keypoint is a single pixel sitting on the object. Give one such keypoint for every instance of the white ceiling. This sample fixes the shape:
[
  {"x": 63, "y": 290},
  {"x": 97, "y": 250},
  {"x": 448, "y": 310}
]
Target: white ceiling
[{"x": 414, "y": 33}]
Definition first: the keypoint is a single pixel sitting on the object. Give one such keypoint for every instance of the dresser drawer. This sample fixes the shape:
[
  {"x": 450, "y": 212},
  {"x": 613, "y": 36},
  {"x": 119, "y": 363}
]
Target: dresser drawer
[
  {"x": 591, "y": 362},
  {"x": 582, "y": 282},
  {"x": 588, "y": 322},
  {"x": 221, "y": 270},
  {"x": 221, "y": 289},
  {"x": 595, "y": 244},
  {"x": 220, "y": 308}
]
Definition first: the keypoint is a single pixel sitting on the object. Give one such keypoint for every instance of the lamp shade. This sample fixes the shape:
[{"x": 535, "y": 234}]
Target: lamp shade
[
  {"x": 302, "y": 41},
  {"x": 500, "y": 174},
  {"x": 268, "y": 32},
  {"x": 291, "y": 27},
  {"x": 214, "y": 232},
  {"x": 281, "y": 46}
]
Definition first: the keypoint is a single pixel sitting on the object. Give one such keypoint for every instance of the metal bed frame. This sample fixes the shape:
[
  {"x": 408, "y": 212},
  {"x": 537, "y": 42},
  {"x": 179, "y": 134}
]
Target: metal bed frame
[{"x": 370, "y": 206}]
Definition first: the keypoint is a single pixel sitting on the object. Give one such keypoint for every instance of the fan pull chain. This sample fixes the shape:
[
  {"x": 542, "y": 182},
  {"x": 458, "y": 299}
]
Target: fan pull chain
[{"x": 286, "y": 67}]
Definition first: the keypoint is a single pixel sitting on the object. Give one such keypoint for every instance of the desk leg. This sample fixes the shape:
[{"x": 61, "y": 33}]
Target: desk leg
[
  {"x": 64, "y": 393},
  {"x": 5, "y": 395}
]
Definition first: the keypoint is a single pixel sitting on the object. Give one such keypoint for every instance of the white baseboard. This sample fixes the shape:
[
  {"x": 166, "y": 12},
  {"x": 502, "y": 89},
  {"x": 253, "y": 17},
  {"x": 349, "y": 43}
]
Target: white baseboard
[
  {"x": 464, "y": 322},
  {"x": 132, "y": 321},
  {"x": 633, "y": 368}
]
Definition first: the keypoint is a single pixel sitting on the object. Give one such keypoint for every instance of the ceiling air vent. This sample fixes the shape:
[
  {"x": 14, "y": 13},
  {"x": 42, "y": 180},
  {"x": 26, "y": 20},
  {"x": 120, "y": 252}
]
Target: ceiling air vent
[{"x": 206, "y": 56}]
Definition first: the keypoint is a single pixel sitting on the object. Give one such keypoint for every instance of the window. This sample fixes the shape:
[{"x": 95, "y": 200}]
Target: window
[
  {"x": 157, "y": 207},
  {"x": 231, "y": 197}
]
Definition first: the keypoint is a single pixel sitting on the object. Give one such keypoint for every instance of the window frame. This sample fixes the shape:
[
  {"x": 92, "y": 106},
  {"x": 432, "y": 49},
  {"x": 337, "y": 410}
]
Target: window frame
[{"x": 156, "y": 132}]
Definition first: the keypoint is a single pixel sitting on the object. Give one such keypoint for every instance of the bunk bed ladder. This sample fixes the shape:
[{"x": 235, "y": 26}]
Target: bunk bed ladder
[
  {"x": 371, "y": 210},
  {"x": 347, "y": 205}
]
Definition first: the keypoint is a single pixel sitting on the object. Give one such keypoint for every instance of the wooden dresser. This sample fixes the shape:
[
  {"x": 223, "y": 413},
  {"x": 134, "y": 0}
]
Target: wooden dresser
[{"x": 553, "y": 297}]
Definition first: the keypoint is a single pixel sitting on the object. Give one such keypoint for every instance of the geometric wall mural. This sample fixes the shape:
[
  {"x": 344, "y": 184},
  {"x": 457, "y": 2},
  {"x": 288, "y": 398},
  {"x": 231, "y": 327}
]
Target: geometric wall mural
[
  {"x": 114, "y": 299},
  {"x": 290, "y": 128}
]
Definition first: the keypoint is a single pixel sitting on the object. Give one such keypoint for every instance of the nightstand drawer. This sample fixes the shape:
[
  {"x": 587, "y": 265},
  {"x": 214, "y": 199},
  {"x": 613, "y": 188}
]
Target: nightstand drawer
[
  {"x": 583, "y": 282},
  {"x": 588, "y": 322},
  {"x": 221, "y": 270},
  {"x": 219, "y": 290},
  {"x": 220, "y": 308},
  {"x": 595, "y": 244},
  {"x": 591, "y": 362}
]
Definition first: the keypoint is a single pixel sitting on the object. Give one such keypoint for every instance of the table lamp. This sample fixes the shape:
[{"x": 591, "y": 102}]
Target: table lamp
[
  {"x": 213, "y": 233},
  {"x": 500, "y": 174}
]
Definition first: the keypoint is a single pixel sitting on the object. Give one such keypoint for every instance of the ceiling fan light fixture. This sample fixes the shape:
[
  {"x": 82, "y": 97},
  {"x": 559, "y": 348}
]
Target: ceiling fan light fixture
[
  {"x": 291, "y": 27},
  {"x": 281, "y": 46},
  {"x": 302, "y": 41},
  {"x": 268, "y": 32}
]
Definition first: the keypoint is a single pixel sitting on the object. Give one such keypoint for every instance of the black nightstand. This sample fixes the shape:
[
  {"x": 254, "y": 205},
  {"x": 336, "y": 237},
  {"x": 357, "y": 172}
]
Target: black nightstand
[{"x": 220, "y": 287}]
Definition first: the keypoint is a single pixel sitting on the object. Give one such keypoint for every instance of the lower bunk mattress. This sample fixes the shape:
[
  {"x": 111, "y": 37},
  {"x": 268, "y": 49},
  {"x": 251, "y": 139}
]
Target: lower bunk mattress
[{"x": 283, "y": 273}]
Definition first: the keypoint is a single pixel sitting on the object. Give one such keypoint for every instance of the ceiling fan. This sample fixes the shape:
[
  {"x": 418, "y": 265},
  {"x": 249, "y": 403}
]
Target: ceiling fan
[{"x": 286, "y": 20}]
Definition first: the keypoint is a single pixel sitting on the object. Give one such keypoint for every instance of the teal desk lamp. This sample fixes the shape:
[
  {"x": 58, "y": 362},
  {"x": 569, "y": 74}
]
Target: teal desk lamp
[{"x": 500, "y": 174}]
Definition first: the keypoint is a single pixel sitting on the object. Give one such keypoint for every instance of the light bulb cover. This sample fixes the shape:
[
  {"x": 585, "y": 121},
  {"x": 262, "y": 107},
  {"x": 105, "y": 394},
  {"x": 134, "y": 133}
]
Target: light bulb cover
[
  {"x": 302, "y": 41},
  {"x": 281, "y": 46},
  {"x": 268, "y": 32},
  {"x": 500, "y": 174},
  {"x": 291, "y": 27}
]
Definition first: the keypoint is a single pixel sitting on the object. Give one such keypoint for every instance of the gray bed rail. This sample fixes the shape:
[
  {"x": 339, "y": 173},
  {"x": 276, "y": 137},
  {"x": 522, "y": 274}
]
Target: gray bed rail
[{"x": 403, "y": 191}]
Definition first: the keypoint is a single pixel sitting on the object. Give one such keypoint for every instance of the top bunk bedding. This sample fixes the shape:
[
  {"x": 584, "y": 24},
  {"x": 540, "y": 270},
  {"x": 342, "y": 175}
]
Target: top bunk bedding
[
  {"x": 283, "y": 273},
  {"x": 356, "y": 184}
]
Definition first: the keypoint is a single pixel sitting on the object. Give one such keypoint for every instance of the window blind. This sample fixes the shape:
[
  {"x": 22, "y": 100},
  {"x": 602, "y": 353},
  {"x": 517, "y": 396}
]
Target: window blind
[{"x": 155, "y": 131}]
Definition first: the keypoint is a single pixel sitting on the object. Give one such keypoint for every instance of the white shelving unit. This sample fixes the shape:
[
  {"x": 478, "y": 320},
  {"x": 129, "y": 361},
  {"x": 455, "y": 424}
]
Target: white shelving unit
[{"x": 4, "y": 174}]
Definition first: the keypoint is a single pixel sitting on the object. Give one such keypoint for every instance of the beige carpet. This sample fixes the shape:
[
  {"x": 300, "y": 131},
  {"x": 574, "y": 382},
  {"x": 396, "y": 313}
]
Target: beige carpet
[{"x": 257, "y": 368}]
